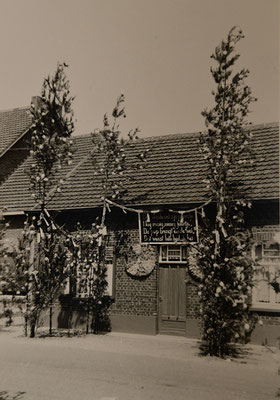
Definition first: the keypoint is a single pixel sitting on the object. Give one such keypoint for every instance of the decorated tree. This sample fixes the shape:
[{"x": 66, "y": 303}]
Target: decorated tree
[
  {"x": 43, "y": 258},
  {"x": 110, "y": 157},
  {"x": 113, "y": 170},
  {"x": 222, "y": 256},
  {"x": 51, "y": 144},
  {"x": 3, "y": 253},
  {"x": 90, "y": 282},
  {"x": 5, "y": 280}
]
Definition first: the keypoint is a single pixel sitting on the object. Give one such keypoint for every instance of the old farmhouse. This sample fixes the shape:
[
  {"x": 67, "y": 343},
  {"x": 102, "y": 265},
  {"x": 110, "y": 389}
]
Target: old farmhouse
[{"x": 149, "y": 280}]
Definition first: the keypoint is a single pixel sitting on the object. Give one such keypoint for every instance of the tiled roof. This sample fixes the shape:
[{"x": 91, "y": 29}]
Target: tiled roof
[
  {"x": 13, "y": 123},
  {"x": 173, "y": 174}
]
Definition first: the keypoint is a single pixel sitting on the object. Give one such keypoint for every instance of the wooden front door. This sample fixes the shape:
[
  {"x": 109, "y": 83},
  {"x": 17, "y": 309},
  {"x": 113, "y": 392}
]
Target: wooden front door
[{"x": 172, "y": 299}]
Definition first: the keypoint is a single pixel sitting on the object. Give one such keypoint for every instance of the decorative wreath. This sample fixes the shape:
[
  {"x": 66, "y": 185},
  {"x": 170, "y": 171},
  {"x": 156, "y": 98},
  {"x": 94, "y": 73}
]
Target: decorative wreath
[
  {"x": 142, "y": 261},
  {"x": 193, "y": 268}
]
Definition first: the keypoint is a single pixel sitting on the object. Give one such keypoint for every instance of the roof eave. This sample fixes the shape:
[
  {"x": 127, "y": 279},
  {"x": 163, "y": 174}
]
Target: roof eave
[{"x": 12, "y": 213}]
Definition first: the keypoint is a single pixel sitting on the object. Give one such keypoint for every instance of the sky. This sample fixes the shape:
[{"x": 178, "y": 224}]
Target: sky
[{"x": 155, "y": 52}]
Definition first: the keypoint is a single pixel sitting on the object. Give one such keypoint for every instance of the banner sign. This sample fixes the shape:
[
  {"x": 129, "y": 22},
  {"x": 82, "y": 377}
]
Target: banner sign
[{"x": 167, "y": 227}]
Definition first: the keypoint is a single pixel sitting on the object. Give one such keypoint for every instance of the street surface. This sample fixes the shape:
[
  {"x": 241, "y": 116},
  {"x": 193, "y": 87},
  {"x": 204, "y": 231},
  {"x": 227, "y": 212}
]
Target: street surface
[{"x": 124, "y": 367}]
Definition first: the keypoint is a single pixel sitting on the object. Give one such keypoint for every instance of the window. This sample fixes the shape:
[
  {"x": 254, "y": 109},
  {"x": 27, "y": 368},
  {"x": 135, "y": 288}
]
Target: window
[
  {"x": 110, "y": 270},
  {"x": 173, "y": 254},
  {"x": 267, "y": 254},
  {"x": 81, "y": 286}
]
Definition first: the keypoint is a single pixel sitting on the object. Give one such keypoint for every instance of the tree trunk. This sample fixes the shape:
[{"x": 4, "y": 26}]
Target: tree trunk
[
  {"x": 29, "y": 296},
  {"x": 25, "y": 325},
  {"x": 50, "y": 317},
  {"x": 69, "y": 318},
  {"x": 32, "y": 329},
  {"x": 88, "y": 312}
]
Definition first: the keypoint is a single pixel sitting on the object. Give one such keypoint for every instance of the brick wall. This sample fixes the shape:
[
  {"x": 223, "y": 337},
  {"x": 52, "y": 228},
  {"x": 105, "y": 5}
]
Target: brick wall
[
  {"x": 133, "y": 295},
  {"x": 192, "y": 299}
]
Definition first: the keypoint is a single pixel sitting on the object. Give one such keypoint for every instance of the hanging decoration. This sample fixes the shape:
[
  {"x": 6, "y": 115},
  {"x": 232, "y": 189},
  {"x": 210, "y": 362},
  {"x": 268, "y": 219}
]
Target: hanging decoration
[
  {"x": 142, "y": 261},
  {"x": 124, "y": 208},
  {"x": 159, "y": 227}
]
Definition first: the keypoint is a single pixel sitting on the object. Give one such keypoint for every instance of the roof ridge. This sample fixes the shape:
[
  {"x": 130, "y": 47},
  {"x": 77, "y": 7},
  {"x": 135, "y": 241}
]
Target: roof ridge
[
  {"x": 195, "y": 134},
  {"x": 191, "y": 134},
  {"x": 14, "y": 109},
  {"x": 264, "y": 125},
  {"x": 81, "y": 136},
  {"x": 146, "y": 137}
]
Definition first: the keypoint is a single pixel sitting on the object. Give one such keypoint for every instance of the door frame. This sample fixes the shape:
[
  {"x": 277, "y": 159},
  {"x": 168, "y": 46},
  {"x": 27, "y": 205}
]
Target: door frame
[{"x": 160, "y": 328}]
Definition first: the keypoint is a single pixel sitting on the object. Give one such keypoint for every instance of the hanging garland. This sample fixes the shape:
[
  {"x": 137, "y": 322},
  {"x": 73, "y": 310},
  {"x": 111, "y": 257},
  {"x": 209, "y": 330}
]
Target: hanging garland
[
  {"x": 142, "y": 211},
  {"x": 196, "y": 211}
]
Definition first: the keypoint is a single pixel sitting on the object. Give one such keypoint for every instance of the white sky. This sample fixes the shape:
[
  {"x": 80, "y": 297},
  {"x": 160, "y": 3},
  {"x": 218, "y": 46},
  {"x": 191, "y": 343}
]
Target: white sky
[{"x": 157, "y": 52}]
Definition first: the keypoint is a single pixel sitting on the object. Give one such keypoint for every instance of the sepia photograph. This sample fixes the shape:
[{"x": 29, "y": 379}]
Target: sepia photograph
[{"x": 139, "y": 200}]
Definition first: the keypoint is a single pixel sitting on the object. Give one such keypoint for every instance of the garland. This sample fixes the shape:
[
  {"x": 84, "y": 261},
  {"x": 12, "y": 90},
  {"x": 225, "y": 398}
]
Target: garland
[{"x": 141, "y": 211}]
